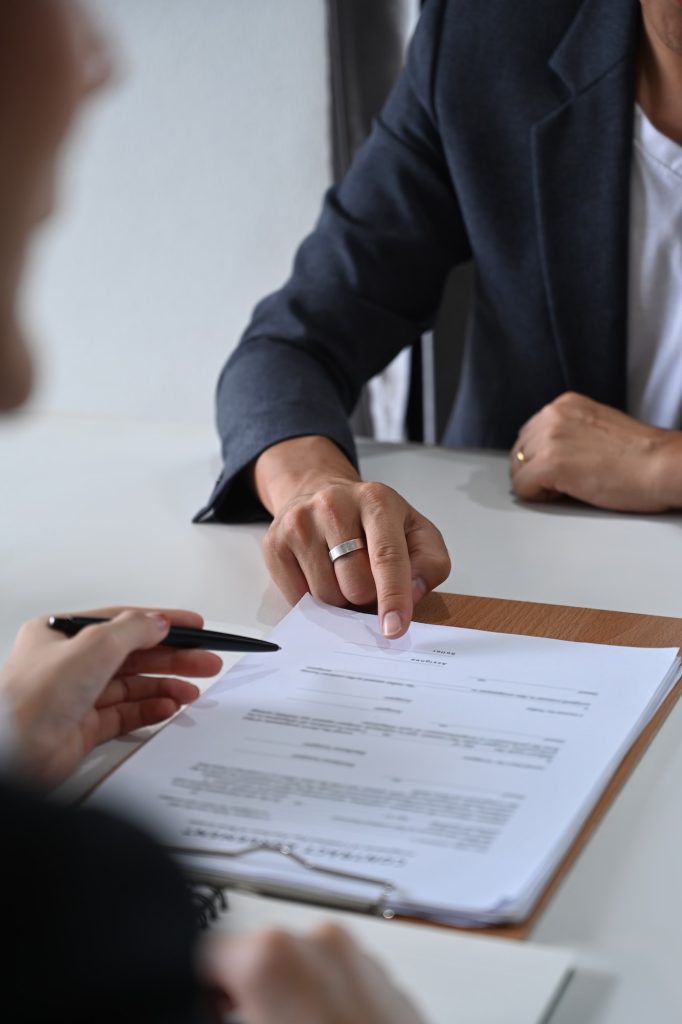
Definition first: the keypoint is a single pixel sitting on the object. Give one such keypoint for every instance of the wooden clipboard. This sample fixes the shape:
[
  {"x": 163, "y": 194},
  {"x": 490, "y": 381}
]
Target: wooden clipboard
[{"x": 562, "y": 622}]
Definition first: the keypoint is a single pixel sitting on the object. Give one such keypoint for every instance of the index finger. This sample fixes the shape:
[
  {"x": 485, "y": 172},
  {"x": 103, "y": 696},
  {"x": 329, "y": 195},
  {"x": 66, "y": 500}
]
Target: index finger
[
  {"x": 389, "y": 561},
  {"x": 36, "y": 630},
  {"x": 176, "y": 616}
]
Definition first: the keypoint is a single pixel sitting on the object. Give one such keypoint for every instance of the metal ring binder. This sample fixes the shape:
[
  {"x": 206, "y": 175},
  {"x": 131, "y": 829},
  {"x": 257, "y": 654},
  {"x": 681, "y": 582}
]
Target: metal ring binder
[
  {"x": 379, "y": 907},
  {"x": 208, "y": 900}
]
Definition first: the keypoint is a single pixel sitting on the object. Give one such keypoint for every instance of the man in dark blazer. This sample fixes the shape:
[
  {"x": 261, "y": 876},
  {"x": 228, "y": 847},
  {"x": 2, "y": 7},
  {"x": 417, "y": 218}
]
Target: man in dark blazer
[{"x": 507, "y": 139}]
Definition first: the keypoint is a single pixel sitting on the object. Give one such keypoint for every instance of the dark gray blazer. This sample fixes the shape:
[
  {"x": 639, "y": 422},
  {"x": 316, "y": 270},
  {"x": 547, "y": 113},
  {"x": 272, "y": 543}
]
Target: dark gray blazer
[{"x": 508, "y": 138}]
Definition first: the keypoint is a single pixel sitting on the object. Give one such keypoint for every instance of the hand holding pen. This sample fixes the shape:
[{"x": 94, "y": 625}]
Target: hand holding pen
[
  {"x": 178, "y": 636},
  {"x": 67, "y": 695}
]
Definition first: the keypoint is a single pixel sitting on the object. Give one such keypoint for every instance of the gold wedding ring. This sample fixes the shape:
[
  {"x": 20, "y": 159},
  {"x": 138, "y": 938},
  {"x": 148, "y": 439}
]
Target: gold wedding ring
[
  {"x": 356, "y": 544},
  {"x": 521, "y": 456}
]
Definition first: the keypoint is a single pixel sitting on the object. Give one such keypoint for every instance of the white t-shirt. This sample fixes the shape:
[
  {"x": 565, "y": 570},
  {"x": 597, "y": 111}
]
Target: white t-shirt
[{"x": 655, "y": 287}]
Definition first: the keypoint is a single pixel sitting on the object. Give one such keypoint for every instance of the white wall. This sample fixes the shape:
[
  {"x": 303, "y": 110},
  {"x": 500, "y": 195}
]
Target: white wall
[{"x": 186, "y": 191}]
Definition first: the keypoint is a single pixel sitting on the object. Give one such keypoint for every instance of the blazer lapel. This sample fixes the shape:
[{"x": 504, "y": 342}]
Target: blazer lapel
[{"x": 581, "y": 160}]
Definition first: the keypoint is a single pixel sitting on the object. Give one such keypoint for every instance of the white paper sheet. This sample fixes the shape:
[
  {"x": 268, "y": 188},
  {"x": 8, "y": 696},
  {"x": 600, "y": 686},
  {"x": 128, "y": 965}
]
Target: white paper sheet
[{"x": 457, "y": 764}]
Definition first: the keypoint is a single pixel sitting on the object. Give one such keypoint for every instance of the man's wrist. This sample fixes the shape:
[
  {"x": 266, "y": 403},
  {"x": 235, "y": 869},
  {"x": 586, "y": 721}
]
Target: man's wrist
[
  {"x": 299, "y": 465},
  {"x": 667, "y": 469}
]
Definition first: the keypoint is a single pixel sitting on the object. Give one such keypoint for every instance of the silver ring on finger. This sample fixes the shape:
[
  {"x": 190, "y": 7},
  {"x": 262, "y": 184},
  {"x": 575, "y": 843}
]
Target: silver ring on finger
[{"x": 345, "y": 548}]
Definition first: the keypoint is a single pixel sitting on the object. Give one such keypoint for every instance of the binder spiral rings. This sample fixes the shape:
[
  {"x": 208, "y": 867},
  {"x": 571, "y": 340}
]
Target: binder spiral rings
[
  {"x": 378, "y": 906},
  {"x": 209, "y": 901}
]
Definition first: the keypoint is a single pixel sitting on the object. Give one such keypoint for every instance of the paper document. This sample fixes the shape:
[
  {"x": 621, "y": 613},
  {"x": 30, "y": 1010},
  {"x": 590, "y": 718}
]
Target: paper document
[{"x": 450, "y": 770}]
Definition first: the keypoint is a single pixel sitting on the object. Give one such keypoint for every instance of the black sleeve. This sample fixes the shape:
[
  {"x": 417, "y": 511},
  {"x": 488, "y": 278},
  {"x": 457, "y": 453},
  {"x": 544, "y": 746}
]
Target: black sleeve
[
  {"x": 98, "y": 923},
  {"x": 365, "y": 284}
]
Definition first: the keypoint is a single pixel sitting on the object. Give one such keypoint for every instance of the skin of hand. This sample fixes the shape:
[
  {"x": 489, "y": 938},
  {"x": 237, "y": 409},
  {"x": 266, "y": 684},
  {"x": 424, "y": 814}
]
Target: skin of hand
[
  {"x": 67, "y": 694},
  {"x": 321, "y": 978},
  {"x": 318, "y": 500},
  {"x": 589, "y": 451}
]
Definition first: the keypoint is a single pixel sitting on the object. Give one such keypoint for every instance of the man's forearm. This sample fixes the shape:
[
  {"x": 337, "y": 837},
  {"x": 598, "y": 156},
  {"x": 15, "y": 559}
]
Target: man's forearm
[
  {"x": 667, "y": 469},
  {"x": 300, "y": 465}
]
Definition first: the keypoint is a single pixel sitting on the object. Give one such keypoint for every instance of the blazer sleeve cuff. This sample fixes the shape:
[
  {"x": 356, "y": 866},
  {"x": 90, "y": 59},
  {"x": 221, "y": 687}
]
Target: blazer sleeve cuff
[{"x": 233, "y": 500}]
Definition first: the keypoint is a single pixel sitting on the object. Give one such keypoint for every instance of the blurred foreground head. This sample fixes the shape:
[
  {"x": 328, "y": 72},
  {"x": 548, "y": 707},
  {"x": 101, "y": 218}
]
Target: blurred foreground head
[{"x": 51, "y": 58}]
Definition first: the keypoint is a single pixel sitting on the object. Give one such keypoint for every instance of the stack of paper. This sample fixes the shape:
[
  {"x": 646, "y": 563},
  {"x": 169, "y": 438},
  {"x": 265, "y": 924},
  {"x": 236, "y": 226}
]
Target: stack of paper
[{"x": 443, "y": 775}]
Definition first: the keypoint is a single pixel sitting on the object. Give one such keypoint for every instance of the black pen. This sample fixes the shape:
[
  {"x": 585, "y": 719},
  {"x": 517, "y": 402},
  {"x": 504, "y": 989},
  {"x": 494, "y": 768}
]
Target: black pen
[{"x": 178, "y": 636}]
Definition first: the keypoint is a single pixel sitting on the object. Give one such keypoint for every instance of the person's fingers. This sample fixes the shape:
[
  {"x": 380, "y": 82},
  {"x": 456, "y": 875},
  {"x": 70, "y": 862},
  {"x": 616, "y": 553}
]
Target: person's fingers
[
  {"x": 519, "y": 457},
  {"x": 273, "y": 977},
  {"x": 551, "y": 428},
  {"x": 336, "y": 940},
  {"x": 532, "y": 440},
  {"x": 359, "y": 980},
  {"x": 175, "y": 616},
  {"x": 529, "y": 439},
  {"x": 37, "y": 632},
  {"x": 283, "y": 566},
  {"x": 353, "y": 574},
  {"x": 121, "y": 719},
  {"x": 298, "y": 543},
  {"x": 351, "y": 960},
  {"x": 127, "y": 689},
  {"x": 534, "y": 482},
  {"x": 319, "y": 573},
  {"x": 101, "y": 649},
  {"x": 531, "y": 458},
  {"x": 339, "y": 516},
  {"x": 171, "y": 661},
  {"x": 217, "y": 955},
  {"x": 389, "y": 560},
  {"x": 430, "y": 562},
  {"x": 259, "y": 973}
]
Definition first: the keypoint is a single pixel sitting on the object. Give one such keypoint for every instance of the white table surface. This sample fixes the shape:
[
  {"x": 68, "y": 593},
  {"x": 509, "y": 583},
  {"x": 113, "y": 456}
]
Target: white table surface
[{"x": 98, "y": 512}]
